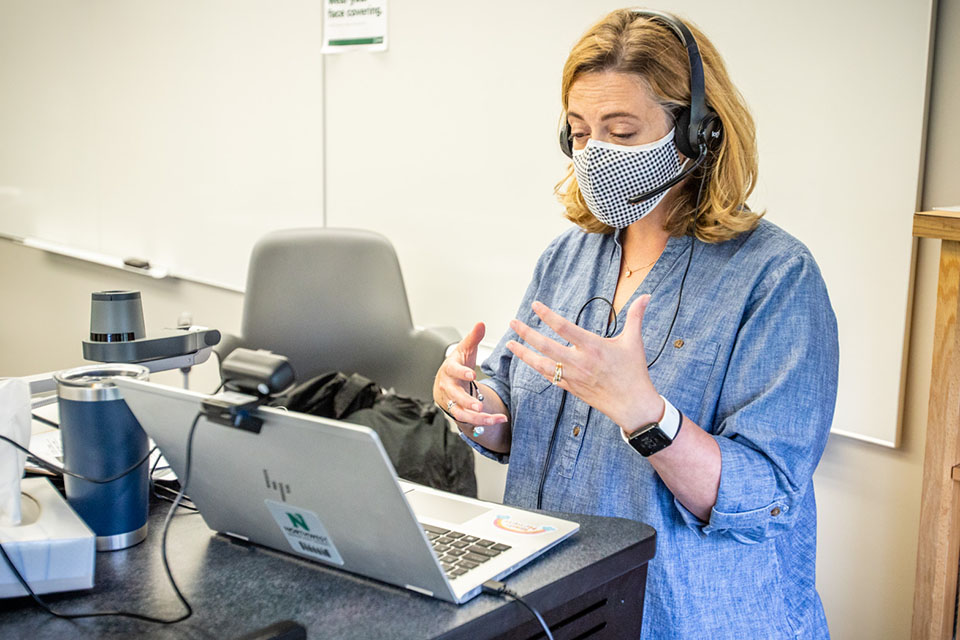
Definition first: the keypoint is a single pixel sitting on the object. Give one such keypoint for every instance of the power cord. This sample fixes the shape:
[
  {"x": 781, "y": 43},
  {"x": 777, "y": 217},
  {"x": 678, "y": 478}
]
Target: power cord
[
  {"x": 163, "y": 553},
  {"x": 49, "y": 423},
  {"x": 497, "y": 588},
  {"x": 163, "y": 492},
  {"x": 52, "y": 468}
]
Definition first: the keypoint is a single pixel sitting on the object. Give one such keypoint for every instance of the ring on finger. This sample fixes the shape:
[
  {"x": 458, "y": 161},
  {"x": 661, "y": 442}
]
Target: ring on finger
[
  {"x": 558, "y": 373},
  {"x": 451, "y": 404}
]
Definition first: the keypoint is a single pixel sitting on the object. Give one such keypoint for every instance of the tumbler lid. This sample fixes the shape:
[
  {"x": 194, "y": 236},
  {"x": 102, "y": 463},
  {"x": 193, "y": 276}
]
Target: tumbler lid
[{"x": 94, "y": 383}]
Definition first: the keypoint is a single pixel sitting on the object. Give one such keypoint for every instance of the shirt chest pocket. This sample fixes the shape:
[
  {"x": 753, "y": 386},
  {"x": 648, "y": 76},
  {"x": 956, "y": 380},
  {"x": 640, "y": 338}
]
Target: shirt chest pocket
[
  {"x": 683, "y": 373},
  {"x": 526, "y": 377}
]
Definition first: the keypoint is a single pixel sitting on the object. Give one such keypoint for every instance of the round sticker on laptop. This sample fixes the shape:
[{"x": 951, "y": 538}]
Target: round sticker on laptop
[{"x": 506, "y": 523}]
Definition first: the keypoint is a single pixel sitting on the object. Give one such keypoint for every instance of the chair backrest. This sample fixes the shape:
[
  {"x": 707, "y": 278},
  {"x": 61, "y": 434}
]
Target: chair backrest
[{"x": 333, "y": 299}]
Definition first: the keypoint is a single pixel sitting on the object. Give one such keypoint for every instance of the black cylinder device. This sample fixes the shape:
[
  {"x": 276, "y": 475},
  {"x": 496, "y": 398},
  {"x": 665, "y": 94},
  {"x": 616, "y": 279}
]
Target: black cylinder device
[{"x": 116, "y": 316}]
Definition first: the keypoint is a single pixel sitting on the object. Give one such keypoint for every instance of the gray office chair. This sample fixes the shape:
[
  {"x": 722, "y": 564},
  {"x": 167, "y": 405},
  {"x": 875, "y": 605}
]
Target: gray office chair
[{"x": 334, "y": 300}]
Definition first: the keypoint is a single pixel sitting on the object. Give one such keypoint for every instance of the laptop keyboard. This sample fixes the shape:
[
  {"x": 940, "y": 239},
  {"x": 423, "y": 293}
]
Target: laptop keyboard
[{"x": 459, "y": 553}]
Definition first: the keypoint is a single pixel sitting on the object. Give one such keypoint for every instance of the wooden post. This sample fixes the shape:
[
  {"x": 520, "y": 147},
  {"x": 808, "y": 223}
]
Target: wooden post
[{"x": 938, "y": 551}]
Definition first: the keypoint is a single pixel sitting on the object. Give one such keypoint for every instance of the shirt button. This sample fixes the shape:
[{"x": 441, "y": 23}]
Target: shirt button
[
  {"x": 678, "y": 343},
  {"x": 576, "y": 431},
  {"x": 775, "y": 511}
]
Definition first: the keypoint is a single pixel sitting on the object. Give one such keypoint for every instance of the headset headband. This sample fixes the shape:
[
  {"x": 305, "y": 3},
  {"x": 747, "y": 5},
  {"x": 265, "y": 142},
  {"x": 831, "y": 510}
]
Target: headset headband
[
  {"x": 695, "y": 124},
  {"x": 698, "y": 100}
]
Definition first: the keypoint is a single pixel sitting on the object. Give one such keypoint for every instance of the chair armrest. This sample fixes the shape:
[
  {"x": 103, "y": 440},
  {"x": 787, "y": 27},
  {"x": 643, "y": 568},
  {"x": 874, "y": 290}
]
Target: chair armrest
[
  {"x": 449, "y": 335},
  {"x": 426, "y": 353}
]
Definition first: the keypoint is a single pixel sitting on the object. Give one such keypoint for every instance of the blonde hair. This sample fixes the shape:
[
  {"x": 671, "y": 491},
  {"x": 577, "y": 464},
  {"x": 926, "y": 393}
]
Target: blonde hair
[{"x": 629, "y": 42}]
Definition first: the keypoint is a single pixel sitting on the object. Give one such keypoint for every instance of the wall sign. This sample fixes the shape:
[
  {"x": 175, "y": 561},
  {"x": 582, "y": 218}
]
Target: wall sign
[{"x": 349, "y": 25}]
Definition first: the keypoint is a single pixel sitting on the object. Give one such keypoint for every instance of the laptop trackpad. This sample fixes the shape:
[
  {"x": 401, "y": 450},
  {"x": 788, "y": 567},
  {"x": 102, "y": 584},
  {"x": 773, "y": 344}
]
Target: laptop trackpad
[{"x": 449, "y": 510}]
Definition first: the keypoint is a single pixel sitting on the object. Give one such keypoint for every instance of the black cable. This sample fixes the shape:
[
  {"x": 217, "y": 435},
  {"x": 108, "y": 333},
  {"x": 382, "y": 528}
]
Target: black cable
[
  {"x": 50, "y": 423},
  {"x": 676, "y": 311},
  {"x": 216, "y": 354},
  {"x": 49, "y": 466},
  {"x": 163, "y": 556},
  {"x": 189, "y": 507},
  {"x": 683, "y": 280},
  {"x": 156, "y": 487},
  {"x": 563, "y": 402},
  {"x": 169, "y": 519},
  {"x": 166, "y": 498},
  {"x": 497, "y": 588},
  {"x": 153, "y": 467},
  {"x": 549, "y": 458},
  {"x": 666, "y": 339}
]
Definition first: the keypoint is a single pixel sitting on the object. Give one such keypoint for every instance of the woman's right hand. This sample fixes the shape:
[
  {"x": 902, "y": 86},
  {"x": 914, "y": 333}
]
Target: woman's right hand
[{"x": 451, "y": 387}]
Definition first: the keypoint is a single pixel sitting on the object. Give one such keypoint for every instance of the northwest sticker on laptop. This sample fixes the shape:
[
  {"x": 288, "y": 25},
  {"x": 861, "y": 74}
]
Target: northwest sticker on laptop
[{"x": 304, "y": 532}]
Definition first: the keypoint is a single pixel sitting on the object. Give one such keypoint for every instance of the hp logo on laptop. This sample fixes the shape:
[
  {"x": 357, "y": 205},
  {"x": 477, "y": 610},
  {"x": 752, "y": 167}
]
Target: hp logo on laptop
[{"x": 282, "y": 487}]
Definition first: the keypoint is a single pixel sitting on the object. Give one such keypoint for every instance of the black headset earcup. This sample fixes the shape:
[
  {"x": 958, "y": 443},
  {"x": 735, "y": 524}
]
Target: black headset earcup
[
  {"x": 685, "y": 138},
  {"x": 712, "y": 130},
  {"x": 566, "y": 139},
  {"x": 688, "y": 138}
]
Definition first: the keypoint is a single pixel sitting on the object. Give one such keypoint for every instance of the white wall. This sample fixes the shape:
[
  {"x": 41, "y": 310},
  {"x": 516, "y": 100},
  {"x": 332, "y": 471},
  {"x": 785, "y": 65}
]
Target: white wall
[
  {"x": 468, "y": 144},
  {"x": 869, "y": 496},
  {"x": 181, "y": 131},
  {"x": 46, "y": 303},
  {"x": 137, "y": 128},
  {"x": 869, "y": 501}
]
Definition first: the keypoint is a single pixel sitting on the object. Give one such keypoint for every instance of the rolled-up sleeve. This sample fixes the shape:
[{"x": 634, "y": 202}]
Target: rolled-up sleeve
[
  {"x": 502, "y": 458},
  {"x": 776, "y": 405},
  {"x": 503, "y": 391}
]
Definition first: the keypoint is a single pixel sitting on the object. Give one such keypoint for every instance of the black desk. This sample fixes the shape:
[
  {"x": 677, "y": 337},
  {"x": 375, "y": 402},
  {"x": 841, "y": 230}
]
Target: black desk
[{"x": 592, "y": 584}]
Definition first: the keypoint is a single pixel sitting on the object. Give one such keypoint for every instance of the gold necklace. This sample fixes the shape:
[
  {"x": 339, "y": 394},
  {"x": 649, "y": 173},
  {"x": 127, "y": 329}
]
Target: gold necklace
[{"x": 630, "y": 271}]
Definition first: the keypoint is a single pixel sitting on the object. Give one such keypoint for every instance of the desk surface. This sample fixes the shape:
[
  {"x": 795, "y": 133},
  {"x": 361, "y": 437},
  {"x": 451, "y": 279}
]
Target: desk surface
[{"x": 235, "y": 588}]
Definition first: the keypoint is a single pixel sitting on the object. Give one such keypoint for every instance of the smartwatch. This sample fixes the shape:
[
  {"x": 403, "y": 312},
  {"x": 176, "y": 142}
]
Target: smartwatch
[{"x": 656, "y": 436}]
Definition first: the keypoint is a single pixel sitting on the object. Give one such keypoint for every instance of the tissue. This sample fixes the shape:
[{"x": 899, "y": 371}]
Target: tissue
[{"x": 14, "y": 424}]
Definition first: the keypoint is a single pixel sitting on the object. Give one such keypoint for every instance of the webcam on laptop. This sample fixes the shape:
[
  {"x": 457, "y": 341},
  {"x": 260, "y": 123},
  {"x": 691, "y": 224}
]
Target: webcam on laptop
[{"x": 250, "y": 378}]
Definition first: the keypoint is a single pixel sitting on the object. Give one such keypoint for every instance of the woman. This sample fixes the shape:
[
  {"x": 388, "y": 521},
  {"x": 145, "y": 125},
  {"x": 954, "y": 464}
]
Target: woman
[{"x": 697, "y": 394}]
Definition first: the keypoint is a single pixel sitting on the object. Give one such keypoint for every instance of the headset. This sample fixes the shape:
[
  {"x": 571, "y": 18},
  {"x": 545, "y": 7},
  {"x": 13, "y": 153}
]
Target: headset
[{"x": 698, "y": 126}]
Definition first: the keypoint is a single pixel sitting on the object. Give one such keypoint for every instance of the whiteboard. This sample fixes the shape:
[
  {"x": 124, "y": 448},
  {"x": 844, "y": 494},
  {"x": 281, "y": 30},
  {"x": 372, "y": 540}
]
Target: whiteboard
[
  {"x": 181, "y": 131},
  {"x": 176, "y": 131},
  {"x": 447, "y": 143}
]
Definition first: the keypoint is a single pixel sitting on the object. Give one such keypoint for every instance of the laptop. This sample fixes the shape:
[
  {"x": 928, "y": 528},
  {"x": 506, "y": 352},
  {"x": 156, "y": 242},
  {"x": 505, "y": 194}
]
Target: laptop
[{"x": 326, "y": 491}]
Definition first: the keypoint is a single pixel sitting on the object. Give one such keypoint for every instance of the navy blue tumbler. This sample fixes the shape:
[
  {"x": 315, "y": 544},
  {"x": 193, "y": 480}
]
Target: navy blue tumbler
[{"x": 102, "y": 438}]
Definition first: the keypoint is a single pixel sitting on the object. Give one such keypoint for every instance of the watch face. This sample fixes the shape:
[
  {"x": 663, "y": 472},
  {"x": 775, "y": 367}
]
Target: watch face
[{"x": 650, "y": 440}]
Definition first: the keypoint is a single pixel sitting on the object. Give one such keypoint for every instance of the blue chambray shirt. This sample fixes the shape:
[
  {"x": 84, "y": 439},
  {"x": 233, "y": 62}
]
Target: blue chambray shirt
[{"x": 752, "y": 359}]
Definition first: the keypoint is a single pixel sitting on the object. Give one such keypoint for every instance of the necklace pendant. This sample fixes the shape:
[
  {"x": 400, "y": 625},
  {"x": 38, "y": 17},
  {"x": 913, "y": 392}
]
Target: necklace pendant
[{"x": 629, "y": 273}]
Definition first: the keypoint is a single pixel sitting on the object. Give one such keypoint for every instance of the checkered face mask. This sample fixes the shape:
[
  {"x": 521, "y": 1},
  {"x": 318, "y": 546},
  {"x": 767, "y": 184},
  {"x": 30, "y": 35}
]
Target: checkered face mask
[{"x": 609, "y": 174}]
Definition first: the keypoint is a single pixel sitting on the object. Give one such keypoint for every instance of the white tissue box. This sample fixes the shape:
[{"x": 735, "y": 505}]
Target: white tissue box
[{"x": 53, "y": 549}]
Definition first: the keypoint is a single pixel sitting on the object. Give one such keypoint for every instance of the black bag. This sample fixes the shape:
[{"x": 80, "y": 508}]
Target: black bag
[{"x": 415, "y": 434}]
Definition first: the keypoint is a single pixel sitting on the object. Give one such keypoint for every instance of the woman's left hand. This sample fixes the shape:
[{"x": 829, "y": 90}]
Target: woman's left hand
[{"x": 609, "y": 374}]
